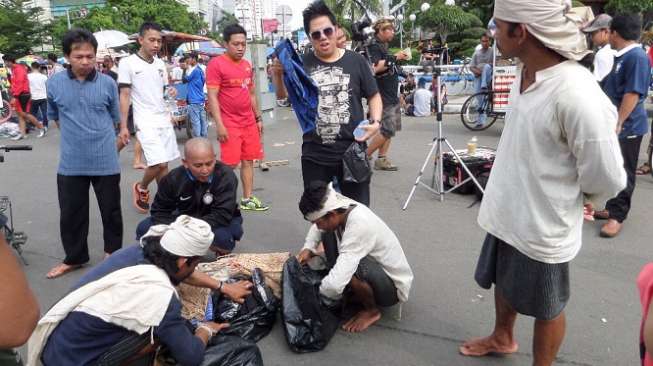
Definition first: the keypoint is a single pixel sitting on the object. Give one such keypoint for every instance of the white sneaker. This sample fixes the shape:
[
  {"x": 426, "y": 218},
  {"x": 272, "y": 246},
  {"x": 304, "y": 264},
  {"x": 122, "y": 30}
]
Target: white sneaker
[
  {"x": 42, "y": 132},
  {"x": 17, "y": 137}
]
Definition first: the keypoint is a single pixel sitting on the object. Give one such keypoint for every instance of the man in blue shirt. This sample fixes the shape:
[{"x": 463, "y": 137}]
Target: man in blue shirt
[
  {"x": 627, "y": 86},
  {"x": 195, "y": 79},
  {"x": 84, "y": 103}
]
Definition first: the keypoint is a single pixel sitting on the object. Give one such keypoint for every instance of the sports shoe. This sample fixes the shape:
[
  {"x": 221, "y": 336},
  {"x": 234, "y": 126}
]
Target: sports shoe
[
  {"x": 18, "y": 137},
  {"x": 141, "y": 198},
  {"x": 42, "y": 132},
  {"x": 384, "y": 164},
  {"x": 252, "y": 204}
]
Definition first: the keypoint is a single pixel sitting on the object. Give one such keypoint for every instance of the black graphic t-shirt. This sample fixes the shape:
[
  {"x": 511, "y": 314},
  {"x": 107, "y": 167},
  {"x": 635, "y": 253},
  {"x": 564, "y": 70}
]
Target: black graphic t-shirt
[
  {"x": 342, "y": 85},
  {"x": 388, "y": 82}
]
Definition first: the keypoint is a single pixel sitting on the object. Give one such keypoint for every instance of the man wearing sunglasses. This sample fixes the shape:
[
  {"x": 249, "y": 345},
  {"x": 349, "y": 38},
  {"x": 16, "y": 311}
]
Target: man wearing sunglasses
[{"x": 343, "y": 79}]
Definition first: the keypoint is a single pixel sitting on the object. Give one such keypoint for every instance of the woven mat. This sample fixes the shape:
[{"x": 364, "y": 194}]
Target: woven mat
[{"x": 194, "y": 299}]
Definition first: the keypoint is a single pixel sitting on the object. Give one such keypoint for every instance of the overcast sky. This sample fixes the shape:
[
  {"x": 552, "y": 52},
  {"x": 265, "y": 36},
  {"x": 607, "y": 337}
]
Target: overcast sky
[{"x": 297, "y": 7}]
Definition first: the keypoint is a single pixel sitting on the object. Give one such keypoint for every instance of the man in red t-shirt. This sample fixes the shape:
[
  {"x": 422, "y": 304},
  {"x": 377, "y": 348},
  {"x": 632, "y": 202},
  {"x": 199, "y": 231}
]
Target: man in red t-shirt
[
  {"x": 233, "y": 104},
  {"x": 21, "y": 97}
]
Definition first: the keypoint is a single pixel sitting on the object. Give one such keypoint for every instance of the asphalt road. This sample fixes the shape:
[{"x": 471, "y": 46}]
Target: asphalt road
[{"x": 441, "y": 240}]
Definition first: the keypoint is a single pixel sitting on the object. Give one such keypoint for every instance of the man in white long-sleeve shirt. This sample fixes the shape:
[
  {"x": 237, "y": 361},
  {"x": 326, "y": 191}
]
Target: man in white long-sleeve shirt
[
  {"x": 367, "y": 261},
  {"x": 558, "y": 150}
]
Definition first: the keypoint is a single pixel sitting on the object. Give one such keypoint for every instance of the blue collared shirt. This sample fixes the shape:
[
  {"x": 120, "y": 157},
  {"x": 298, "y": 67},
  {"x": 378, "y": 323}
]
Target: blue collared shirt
[
  {"x": 87, "y": 112},
  {"x": 631, "y": 73}
]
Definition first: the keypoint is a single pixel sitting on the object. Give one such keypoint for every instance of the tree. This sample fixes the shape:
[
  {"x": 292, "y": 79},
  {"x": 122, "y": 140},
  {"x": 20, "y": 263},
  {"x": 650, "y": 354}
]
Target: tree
[
  {"x": 348, "y": 11},
  {"x": 128, "y": 15},
  {"x": 225, "y": 20},
  {"x": 20, "y": 29},
  {"x": 629, "y": 6},
  {"x": 444, "y": 20}
]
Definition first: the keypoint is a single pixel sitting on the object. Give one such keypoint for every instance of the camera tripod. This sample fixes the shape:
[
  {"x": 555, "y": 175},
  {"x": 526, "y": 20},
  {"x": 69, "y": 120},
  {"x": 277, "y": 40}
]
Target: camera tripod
[{"x": 438, "y": 145}]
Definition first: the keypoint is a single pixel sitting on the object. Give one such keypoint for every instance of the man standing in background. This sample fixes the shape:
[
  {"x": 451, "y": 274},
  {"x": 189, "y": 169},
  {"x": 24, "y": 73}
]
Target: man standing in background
[
  {"x": 37, "y": 81},
  {"x": 599, "y": 29},
  {"x": 195, "y": 79}
]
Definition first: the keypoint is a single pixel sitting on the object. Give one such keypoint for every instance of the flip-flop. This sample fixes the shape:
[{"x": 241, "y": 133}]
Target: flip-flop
[
  {"x": 59, "y": 270},
  {"x": 645, "y": 169}
]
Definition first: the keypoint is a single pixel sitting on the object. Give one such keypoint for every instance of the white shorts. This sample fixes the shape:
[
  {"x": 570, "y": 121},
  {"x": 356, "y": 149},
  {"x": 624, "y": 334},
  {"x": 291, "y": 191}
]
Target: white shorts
[{"x": 159, "y": 144}]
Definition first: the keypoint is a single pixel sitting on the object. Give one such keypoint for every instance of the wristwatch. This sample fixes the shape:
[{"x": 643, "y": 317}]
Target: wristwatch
[{"x": 373, "y": 121}]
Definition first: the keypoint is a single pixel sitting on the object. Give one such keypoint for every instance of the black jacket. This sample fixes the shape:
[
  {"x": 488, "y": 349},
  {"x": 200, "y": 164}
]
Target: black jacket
[{"x": 180, "y": 194}]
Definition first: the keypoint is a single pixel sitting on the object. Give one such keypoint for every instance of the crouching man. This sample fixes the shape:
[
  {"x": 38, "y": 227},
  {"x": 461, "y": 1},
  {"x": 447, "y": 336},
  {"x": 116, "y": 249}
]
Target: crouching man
[
  {"x": 202, "y": 188},
  {"x": 367, "y": 264},
  {"x": 122, "y": 309}
]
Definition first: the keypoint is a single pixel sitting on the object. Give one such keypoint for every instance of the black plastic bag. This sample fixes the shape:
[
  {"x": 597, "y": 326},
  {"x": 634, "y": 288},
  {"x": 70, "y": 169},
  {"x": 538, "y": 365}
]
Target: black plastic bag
[
  {"x": 355, "y": 166},
  {"x": 308, "y": 324},
  {"x": 253, "y": 319},
  {"x": 226, "y": 350}
]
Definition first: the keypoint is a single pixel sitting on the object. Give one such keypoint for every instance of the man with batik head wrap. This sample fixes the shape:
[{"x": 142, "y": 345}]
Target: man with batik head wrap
[{"x": 558, "y": 151}]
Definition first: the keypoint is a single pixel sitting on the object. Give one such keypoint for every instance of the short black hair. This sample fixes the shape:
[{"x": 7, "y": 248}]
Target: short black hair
[
  {"x": 192, "y": 55},
  {"x": 158, "y": 256},
  {"x": 232, "y": 29},
  {"x": 52, "y": 57},
  {"x": 182, "y": 59},
  {"x": 315, "y": 10},
  {"x": 149, "y": 26},
  {"x": 313, "y": 197},
  {"x": 78, "y": 36},
  {"x": 35, "y": 65},
  {"x": 9, "y": 58},
  {"x": 628, "y": 26},
  {"x": 485, "y": 35}
]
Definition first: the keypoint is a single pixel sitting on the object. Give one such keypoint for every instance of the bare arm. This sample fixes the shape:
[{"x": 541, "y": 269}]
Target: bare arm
[
  {"x": 376, "y": 107},
  {"x": 236, "y": 291},
  {"x": 627, "y": 106},
  {"x": 214, "y": 108},
  {"x": 125, "y": 101},
  {"x": 19, "y": 310},
  {"x": 257, "y": 113}
]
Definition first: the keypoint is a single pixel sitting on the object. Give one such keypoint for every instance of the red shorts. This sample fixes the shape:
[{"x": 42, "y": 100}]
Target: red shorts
[
  {"x": 244, "y": 143},
  {"x": 23, "y": 103}
]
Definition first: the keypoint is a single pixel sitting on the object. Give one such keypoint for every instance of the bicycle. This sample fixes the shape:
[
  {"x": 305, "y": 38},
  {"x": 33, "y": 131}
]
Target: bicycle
[
  {"x": 6, "y": 111},
  {"x": 479, "y": 105},
  {"x": 458, "y": 82},
  {"x": 15, "y": 239}
]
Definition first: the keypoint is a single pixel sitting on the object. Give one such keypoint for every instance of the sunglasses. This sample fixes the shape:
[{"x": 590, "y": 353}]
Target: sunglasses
[{"x": 328, "y": 32}]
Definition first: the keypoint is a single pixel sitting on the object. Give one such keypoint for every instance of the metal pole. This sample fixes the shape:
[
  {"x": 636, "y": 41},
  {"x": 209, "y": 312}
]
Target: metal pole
[
  {"x": 401, "y": 35},
  {"x": 68, "y": 18}
]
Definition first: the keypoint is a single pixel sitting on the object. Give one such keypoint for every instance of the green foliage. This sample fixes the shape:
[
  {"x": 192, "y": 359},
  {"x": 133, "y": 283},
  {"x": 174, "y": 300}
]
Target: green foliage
[
  {"x": 347, "y": 12},
  {"x": 20, "y": 29},
  {"x": 127, "y": 16},
  {"x": 445, "y": 20},
  {"x": 225, "y": 20},
  {"x": 629, "y": 6}
]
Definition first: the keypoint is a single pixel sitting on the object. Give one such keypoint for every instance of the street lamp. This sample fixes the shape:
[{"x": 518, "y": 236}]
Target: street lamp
[
  {"x": 400, "y": 19},
  {"x": 423, "y": 8},
  {"x": 450, "y": 3}
]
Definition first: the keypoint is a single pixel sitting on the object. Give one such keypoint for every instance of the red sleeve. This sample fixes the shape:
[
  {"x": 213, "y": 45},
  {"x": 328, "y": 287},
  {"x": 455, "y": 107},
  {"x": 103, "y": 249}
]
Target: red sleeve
[{"x": 213, "y": 75}]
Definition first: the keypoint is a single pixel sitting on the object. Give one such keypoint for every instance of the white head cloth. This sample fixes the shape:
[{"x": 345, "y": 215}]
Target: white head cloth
[
  {"x": 186, "y": 237},
  {"x": 334, "y": 201},
  {"x": 550, "y": 21}
]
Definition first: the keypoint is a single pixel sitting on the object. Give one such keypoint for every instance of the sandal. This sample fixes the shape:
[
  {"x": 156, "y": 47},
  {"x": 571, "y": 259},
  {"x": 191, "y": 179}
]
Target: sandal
[{"x": 644, "y": 169}]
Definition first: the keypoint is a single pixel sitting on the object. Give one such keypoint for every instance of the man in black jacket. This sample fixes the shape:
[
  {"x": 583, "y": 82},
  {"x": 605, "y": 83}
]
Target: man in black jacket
[{"x": 202, "y": 188}]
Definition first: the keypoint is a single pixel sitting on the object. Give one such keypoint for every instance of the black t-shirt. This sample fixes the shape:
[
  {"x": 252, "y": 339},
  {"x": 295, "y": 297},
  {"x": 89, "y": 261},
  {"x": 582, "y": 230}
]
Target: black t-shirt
[
  {"x": 388, "y": 82},
  {"x": 342, "y": 85}
]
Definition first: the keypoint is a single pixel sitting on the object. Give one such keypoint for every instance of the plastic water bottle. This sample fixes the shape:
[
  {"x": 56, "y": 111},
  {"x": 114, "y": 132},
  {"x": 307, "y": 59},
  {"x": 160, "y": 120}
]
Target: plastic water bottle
[
  {"x": 359, "y": 132},
  {"x": 172, "y": 105},
  {"x": 471, "y": 145}
]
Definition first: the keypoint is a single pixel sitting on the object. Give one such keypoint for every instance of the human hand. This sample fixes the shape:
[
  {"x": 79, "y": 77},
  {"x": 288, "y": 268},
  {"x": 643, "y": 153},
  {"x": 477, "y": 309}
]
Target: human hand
[
  {"x": 223, "y": 134},
  {"x": 260, "y": 127},
  {"x": 620, "y": 127},
  {"x": 370, "y": 130},
  {"x": 304, "y": 256},
  {"x": 215, "y": 327},
  {"x": 123, "y": 135},
  {"x": 401, "y": 56},
  {"x": 237, "y": 291},
  {"x": 588, "y": 212}
]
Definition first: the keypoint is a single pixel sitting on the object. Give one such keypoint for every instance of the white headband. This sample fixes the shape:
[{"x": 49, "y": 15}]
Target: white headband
[{"x": 334, "y": 201}]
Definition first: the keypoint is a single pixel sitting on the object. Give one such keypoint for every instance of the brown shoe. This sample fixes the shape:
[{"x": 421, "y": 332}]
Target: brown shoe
[
  {"x": 602, "y": 215},
  {"x": 385, "y": 164},
  {"x": 611, "y": 228}
]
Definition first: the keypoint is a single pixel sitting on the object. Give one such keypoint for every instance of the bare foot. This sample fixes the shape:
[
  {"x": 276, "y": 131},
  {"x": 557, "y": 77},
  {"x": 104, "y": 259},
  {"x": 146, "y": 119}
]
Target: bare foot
[
  {"x": 363, "y": 320},
  {"x": 139, "y": 165},
  {"x": 106, "y": 255},
  {"x": 61, "y": 269},
  {"x": 482, "y": 346}
]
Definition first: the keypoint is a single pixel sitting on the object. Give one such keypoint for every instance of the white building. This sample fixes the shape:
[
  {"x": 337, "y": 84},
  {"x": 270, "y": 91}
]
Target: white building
[
  {"x": 250, "y": 15},
  {"x": 46, "y": 14}
]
